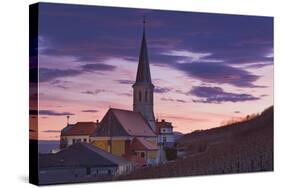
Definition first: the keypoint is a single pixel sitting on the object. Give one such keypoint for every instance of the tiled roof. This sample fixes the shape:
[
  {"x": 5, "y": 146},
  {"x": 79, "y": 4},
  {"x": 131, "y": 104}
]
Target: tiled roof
[
  {"x": 140, "y": 143},
  {"x": 80, "y": 128},
  {"x": 80, "y": 154},
  {"x": 133, "y": 123},
  {"x": 164, "y": 123},
  {"x": 118, "y": 122}
]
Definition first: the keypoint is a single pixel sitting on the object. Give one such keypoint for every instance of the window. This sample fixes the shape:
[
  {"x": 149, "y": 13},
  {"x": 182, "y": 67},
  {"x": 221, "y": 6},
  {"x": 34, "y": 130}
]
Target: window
[
  {"x": 73, "y": 141},
  {"x": 164, "y": 139},
  {"x": 146, "y": 96},
  {"x": 109, "y": 172},
  {"x": 85, "y": 140},
  {"x": 140, "y": 96},
  {"x": 78, "y": 140},
  {"x": 142, "y": 154}
]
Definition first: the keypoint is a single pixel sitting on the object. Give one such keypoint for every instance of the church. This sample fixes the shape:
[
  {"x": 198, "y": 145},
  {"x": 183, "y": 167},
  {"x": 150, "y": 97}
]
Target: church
[{"x": 133, "y": 135}]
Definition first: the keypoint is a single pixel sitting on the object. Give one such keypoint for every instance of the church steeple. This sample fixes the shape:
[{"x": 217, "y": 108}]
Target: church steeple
[
  {"x": 143, "y": 87},
  {"x": 143, "y": 74}
]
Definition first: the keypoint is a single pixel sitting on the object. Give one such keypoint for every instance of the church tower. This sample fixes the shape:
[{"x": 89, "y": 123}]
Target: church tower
[{"x": 143, "y": 87}]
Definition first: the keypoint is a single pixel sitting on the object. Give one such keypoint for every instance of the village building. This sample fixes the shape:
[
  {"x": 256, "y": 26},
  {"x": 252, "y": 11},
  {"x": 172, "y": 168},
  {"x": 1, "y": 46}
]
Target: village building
[
  {"x": 81, "y": 162},
  {"x": 131, "y": 134},
  {"x": 164, "y": 130},
  {"x": 126, "y": 133},
  {"x": 75, "y": 133}
]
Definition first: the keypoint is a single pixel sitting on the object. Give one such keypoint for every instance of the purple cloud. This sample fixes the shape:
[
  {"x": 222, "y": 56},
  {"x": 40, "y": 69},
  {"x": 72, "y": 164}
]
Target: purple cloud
[
  {"x": 91, "y": 111},
  {"x": 97, "y": 67},
  {"x": 218, "y": 95},
  {"x": 49, "y": 113},
  {"x": 173, "y": 100},
  {"x": 219, "y": 73},
  {"x": 231, "y": 39},
  {"x": 158, "y": 89},
  {"x": 48, "y": 74},
  {"x": 180, "y": 100},
  {"x": 95, "y": 92},
  {"x": 130, "y": 82},
  {"x": 51, "y": 131}
]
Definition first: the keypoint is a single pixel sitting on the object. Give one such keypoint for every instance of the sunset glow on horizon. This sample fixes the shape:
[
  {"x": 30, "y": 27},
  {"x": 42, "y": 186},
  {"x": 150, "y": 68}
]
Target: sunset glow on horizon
[{"x": 207, "y": 68}]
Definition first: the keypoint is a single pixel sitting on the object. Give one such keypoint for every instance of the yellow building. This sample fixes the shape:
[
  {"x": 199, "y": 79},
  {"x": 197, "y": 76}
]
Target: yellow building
[{"x": 127, "y": 134}]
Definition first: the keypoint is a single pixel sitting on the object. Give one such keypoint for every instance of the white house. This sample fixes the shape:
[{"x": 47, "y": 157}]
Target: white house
[{"x": 164, "y": 130}]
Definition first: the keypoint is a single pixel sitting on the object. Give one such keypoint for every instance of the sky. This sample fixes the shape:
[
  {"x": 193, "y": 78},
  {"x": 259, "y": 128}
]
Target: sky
[{"x": 207, "y": 68}]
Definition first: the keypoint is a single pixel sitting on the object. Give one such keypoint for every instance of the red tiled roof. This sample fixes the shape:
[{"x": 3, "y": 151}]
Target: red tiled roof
[
  {"x": 140, "y": 143},
  {"x": 133, "y": 123},
  {"x": 162, "y": 124},
  {"x": 80, "y": 128}
]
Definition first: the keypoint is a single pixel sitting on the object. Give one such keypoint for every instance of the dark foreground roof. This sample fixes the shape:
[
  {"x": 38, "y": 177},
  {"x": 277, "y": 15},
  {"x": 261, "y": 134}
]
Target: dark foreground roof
[
  {"x": 78, "y": 129},
  {"x": 119, "y": 122},
  {"x": 80, "y": 155}
]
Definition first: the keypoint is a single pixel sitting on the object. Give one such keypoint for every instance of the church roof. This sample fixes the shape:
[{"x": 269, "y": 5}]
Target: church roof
[
  {"x": 143, "y": 72},
  {"x": 79, "y": 129},
  {"x": 80, "y": 155},
  {"x": 140, "y": 143},
  {"x": 119, "y": 122}
]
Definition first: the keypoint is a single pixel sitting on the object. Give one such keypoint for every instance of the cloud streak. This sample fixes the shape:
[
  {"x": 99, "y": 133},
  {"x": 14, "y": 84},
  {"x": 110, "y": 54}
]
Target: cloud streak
[
  {"x": 91, "y": 111},
  {"x": 219, "y": 73},
  {"x": 49, "y": 113},
  {"x": 95, "y": 92},
  {"x": 159, "y": 89},
  {"x": 129, "y": 82},
  {"x": 217, "y": 95},
  {"x": 50, "y": 74}
]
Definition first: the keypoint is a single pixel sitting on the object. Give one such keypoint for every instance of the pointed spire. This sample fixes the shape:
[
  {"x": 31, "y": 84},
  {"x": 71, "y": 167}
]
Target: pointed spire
[{"x": 143, "y": 73}]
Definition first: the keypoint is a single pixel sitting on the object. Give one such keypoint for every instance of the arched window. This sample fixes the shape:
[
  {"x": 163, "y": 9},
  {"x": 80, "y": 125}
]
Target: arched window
[
  {"x": 140, "y": 96},
  {"x": 146, "y": 96}
]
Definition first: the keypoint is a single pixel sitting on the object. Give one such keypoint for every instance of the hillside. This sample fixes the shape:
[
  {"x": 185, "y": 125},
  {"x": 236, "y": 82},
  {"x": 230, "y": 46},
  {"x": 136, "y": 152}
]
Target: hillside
[
  {"x": 260, "y": 126},
  {"x": 240, "y": 147}
]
